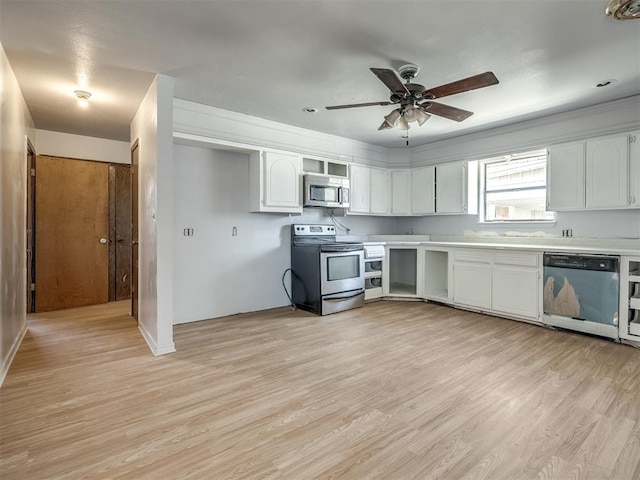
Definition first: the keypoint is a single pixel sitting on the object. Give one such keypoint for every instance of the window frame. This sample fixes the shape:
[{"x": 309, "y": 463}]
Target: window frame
[{"x": 482, "y": 191}]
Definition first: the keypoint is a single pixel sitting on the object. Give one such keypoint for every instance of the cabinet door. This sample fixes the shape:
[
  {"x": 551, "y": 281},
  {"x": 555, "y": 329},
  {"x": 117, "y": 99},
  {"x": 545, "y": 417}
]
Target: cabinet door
[
  {"x": 565, "y": 177},
  {"x": 634, "y": 169},
  {"x": 282, "y": 179},
  {"x": 472, "y": 284},
  {"x": 515, "y": 291},
  {"x": 401, "y": 192},
  {"x": 379, "y": 191},
  {"x": 451, "y": 188},
  {"x": 359, "y": 189},
  {"x": 423, "y": 194},
  {"x": 607, "y": 170}
]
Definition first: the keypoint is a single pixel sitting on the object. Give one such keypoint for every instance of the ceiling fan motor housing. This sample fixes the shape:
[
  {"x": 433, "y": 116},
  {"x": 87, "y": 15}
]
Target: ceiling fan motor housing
[{"x": 409, "y": 71}]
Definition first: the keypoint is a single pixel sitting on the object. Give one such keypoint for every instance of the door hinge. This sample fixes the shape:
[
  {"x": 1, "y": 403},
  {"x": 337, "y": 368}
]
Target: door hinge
[
  {"x": 33, "y": 172},
  {"x": 33, "y": 287},
  {"x": 632, "y": 139}
]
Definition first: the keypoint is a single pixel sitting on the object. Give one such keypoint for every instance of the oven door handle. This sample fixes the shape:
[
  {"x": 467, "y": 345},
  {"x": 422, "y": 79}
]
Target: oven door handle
[{"x": 343, "y": 296}]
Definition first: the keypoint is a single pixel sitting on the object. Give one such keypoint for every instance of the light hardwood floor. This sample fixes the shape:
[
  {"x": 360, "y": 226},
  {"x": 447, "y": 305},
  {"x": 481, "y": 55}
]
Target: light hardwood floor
[{"x": 389, "y": 391}]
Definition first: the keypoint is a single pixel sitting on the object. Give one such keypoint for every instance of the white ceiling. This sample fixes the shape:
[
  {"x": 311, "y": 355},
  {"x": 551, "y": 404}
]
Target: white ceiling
[{"x": 272, "y": 58}]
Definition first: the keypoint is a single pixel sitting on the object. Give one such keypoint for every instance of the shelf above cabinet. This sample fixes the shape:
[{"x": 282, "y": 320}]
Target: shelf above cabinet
[{"x": 333, "y": 168}]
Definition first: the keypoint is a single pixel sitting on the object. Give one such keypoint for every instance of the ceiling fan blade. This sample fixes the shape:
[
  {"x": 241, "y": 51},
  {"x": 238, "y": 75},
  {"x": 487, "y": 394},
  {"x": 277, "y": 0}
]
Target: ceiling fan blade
[
  {"x": 390, "y": 79},
  {"x": 471, "y": 83},
  {"x": 452, "y": 113},
  {"x": 353, "y": 105}
]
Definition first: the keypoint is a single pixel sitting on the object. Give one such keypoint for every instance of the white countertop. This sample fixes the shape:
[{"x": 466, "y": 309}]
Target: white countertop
[{"x": 614, "y": 246}]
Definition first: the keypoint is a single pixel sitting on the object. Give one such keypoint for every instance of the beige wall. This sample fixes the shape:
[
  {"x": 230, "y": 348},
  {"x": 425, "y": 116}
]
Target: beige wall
[
  {"x": 68, "y": 145},
  {"x": 16, "y": 125}
]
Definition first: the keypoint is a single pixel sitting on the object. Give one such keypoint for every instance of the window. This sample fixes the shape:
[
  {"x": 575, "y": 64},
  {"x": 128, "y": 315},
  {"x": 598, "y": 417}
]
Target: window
[{"x": 513, "y": 188}]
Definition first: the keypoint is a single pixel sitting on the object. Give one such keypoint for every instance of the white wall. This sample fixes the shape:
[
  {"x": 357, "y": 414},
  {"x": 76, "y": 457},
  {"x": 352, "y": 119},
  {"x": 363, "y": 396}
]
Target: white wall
[
  {"x": 618, "y": 116},
  {"x": 591, "y": 224},
  {"x": 152, "y": 127},
  {"x": 85, "y": 148},
  {"x": 215, "y": 273},
  {"x": 16, "y": 125}
]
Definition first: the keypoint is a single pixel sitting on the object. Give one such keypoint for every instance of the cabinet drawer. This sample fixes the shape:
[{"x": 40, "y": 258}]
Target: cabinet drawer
[
  {"x": 524, "y": 259},
  {"x": 475, "y": 256}
]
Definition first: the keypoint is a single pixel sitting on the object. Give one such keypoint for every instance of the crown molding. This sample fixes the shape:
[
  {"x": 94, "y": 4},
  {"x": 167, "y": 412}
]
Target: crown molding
[{"x": 215, "y": 123}]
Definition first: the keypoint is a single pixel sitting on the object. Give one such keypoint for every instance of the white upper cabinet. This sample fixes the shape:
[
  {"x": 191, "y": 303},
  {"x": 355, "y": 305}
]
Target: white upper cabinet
[
  {"x": 423, "y": 193},
  {"x": 401, "y": 192},
  {"x": 565, "y": 177},
  {"x": 451, "y": 188},
  {"x": 634, "y": 169},
  {"x": 275, "y": 179},
  {"x": 360, "y": 185},
  {"x": 379, "y": 191},
  {"x": 597, "y": 173},
  {"x": 607, "y": 167}
]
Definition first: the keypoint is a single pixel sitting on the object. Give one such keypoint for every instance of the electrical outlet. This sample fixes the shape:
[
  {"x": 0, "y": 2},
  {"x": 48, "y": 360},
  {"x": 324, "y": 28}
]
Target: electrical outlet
[
  {"x": 188, "y": 232},
  {"x": 234, "y": 232}
]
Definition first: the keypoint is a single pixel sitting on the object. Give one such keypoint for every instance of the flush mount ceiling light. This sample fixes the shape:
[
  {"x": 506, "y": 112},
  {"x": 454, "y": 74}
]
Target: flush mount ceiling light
[
  {"x": 623, "y": 9},
  {"x": 83, "y": 97}
]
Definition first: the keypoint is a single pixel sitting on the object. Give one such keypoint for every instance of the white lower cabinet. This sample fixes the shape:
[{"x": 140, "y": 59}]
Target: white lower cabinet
[
  {"x": 515, "y": 291},
  {"x": 630, "y": 298},
  {"x": 472, "y": 278},
  {"x": 436, "y": 278},
  {"x": 400, "y": 272},
  {"x": 504, "y": 282}
]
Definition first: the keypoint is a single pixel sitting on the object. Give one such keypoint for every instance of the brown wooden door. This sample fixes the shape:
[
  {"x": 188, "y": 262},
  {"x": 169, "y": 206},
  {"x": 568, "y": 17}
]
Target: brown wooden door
[
  {"x": 72, "y": 228},
  {"x": 134, "y": 230},
  {"x": 31, "y": 227},
  {"x": 119, "y": 232}
]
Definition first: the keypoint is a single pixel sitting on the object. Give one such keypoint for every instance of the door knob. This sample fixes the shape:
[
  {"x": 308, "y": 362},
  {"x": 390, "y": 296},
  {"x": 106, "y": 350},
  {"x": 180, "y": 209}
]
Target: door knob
[{"x": 103, "y": 240}]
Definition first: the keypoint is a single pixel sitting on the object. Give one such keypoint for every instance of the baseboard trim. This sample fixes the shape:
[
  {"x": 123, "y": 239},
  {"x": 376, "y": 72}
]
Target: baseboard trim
[
  {"x": 12, "y": 353},
  {"x": 155, "y": 349}
]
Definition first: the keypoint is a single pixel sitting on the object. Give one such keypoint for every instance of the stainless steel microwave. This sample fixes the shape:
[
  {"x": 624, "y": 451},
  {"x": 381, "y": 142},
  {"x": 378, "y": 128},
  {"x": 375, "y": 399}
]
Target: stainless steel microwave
[{"x": 326, "y": 191}]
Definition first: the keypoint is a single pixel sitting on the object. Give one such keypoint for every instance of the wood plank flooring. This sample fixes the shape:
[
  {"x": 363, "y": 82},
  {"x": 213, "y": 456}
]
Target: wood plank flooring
[{"x": 393, "y": 390}]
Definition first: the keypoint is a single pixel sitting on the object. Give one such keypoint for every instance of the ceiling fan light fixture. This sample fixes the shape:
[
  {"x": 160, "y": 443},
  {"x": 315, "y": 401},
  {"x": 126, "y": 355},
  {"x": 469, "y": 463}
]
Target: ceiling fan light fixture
[
  {"x": 422, "y": 116},
  {"x": 393, "y": 118},
  {"x": 623, "y": 9},
  {"x": 404, "y": 123},
  {"x": 410, "y": 113}
]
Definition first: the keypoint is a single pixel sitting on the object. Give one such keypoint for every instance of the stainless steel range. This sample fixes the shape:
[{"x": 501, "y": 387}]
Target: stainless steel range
[{"x": 327, "y": 275}]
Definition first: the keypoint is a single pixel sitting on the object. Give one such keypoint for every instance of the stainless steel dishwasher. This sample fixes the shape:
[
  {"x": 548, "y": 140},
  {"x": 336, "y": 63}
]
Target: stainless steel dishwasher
[{"x": 582, "y": 293}]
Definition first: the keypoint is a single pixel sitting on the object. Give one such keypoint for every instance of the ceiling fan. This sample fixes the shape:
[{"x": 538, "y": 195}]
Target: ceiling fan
[{"x": 415, "y": 101}]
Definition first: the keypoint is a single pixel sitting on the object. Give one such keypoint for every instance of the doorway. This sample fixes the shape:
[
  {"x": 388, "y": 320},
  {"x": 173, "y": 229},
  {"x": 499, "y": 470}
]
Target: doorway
[
  {"x": 134, "y": 228},
  {"x": 31, "y": 228},
  {"x": 79, "y": 228}
]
